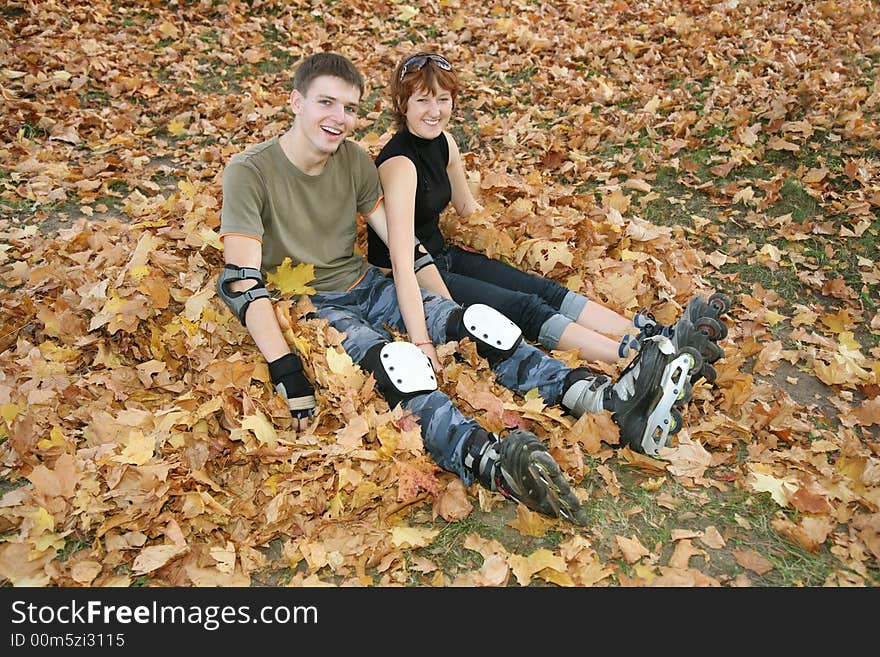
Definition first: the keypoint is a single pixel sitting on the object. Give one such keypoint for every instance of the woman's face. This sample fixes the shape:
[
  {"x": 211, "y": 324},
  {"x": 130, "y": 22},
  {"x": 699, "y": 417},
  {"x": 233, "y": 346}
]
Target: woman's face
[{"x": 428, "y": 112}]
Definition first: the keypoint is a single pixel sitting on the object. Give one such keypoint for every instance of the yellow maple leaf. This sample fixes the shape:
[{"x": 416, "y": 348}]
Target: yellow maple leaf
[
  {"x": 837, "y": 323},
  {"x": 779, "y": 489},
  {"x": 55, "y": 439},
  {"x": 138, "y": 449},
  {"x": 176, "y": 128},
  {"x": 525, "y": 567},
  {"x": 9, "y": 411},
  {"x": 389, "y": 437},
  {"x": 407, "y": 13},
  {"x": 339, "y": 362},
  {"x": 773, "y": 318},
  {"x": 336, "y": 506},
  {"x": 262, "y": 428},
  {"x": 412, "y": 537},
  {"x": 292, "y": 280}
]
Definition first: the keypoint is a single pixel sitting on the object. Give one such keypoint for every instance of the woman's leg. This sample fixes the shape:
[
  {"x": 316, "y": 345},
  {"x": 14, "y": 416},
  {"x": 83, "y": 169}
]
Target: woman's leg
[
  {"x": 478, "y": 266},
  {"x": 591, "y": 345},
  {"x": 528, "y": 311},
  {"x": 597, "y": 317},
  {"x": 538, "y": 321},
  {"x": 593, "y": 322}
]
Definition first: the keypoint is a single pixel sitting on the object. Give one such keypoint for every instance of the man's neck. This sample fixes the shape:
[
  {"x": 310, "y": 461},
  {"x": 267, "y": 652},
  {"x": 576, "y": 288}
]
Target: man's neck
[{"x": 301, "y": 153}]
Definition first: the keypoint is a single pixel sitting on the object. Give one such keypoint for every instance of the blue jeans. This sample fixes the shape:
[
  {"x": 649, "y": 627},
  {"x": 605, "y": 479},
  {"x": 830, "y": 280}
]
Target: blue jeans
[
  {"x": 360, "y": 313},
  {"x": 541, "y": 307}
]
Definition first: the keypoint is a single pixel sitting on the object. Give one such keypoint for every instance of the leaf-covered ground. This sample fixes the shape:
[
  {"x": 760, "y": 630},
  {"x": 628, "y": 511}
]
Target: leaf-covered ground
[{"x": 641, "y": 152}]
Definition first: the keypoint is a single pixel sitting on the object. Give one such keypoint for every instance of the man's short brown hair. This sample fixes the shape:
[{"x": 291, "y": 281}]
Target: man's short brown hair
[{"x": 326, "y": 63}]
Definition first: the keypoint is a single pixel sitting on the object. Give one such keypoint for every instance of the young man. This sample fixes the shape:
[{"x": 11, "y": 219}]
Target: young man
[{"x": 297, "y": 196}]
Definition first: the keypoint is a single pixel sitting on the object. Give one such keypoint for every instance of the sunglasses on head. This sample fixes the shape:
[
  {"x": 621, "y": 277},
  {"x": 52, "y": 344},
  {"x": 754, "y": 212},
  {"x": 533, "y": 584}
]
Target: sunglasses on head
[{"x": 416, "y": 62}]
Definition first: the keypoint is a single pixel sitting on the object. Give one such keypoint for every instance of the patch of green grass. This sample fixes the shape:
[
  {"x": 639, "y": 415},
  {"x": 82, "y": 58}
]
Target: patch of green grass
[
  {"x": 782, "y": 280},
  {"x": 447, "y": 549},
  {"x": 32, "y": 131},
  {"x": 119, "y": 186},
  {"x": 95, "y": 97},
  {"x": 71, "y": 547},
  {"x": 11, "y": 11},
  {"x": 7, "y": 485}
]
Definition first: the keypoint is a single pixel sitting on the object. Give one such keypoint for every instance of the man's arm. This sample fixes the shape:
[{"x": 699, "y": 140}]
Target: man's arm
[{"x": 284, "y": 366}]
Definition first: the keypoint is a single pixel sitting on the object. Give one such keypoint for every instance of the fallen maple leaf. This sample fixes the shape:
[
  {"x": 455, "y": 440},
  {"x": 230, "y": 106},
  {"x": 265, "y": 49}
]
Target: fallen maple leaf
[
  {"x": 752, "y": 561},
  {"x": 688, "y": 459},
  {"x": 524, "y": 567},
  {"x": 154, "y": 557},
  {"x": 412, "y": 537},
  {"x": 632, "y": 548},
  {"x": 290, "y": 280}
]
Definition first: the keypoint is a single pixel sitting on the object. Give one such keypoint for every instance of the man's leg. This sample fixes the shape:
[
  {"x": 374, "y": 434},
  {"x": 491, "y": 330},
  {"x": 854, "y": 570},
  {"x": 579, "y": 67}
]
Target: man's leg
[{"x": 519, "y": 466}]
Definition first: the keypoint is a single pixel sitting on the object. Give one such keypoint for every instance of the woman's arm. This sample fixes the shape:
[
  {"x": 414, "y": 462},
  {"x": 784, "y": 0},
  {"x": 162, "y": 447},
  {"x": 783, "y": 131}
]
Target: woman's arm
[
  {"x": 462, "y": 199},
  {"x": 398, "y": 177}
]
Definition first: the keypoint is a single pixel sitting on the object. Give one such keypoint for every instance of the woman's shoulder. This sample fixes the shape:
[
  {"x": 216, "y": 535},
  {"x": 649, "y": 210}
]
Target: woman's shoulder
[{"x": 397, "y": 145}]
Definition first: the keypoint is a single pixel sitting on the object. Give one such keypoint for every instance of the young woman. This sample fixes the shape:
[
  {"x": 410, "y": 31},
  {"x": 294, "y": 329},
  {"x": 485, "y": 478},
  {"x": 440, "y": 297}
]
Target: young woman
[{"x": 421, "y": 171}]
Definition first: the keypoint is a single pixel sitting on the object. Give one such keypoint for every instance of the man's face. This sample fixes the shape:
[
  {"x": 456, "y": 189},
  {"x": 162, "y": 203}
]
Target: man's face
[{"x": 327, "y": 113}]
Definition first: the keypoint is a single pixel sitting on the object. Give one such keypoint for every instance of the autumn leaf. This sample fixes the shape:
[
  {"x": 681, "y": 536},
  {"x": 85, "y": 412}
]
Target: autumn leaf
[
  {"x": 753, "y": 561},
  {"x": 525, "y": 567},
  {"x": 412, "y": 537},
  {"x": 264, "y": 430},
  {"x": 290, "y": 280},
  {"x": 632, "y": 548},
  {"x": 779, "y": 489}
]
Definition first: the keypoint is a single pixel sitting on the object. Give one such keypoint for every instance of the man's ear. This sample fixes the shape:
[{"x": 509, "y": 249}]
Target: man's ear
[{"x": 296, "y": 101}]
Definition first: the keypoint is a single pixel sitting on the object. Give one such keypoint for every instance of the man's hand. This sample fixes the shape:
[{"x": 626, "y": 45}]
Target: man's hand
[{"x": 292, "y": 384}]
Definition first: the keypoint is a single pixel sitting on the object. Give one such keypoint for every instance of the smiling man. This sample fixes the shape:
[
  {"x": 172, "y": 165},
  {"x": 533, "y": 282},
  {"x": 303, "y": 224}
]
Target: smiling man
[{"x": 298, "y": 196}]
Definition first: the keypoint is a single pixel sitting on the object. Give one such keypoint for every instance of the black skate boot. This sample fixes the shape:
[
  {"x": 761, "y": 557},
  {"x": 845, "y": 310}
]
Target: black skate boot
[
  {"x": 645, "y": 399},
  {"x": 520, "y": 468},
  {"x": 700, "y": 326}
]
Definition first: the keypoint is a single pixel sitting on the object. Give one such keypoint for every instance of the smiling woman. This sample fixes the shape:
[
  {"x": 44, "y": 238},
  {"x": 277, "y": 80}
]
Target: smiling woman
[{"x": 422, "y": 172}]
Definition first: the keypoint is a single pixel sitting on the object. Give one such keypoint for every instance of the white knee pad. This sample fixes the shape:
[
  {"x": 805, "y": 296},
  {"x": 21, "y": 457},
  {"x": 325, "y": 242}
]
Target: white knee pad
[
  {"x": 496, "y": 336},
  {"x": 402, "y": 370}
]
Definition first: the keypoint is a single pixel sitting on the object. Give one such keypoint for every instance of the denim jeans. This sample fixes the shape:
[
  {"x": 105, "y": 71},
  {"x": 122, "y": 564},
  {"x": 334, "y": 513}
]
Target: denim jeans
[
  {"x": 360, "y": 313},
  {"x": 541, "y": 307}
]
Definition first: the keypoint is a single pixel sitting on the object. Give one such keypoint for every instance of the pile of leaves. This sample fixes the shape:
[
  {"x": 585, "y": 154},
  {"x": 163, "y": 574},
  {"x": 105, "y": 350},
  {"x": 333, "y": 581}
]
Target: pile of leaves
[{"x": 141, "y": 440}]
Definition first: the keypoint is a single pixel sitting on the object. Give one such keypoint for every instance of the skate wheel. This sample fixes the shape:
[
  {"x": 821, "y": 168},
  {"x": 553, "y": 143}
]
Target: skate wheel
[
  {"x": 696, "y": 360},
  {"x": 685, "y": 394},
  {"x": 713, "y": 352},
  {"x": 708, "y": 372},
  {"x": 712, "y": 328},
  {"x": 719, "y": 302},
  {"x": 677, "y": 421}
]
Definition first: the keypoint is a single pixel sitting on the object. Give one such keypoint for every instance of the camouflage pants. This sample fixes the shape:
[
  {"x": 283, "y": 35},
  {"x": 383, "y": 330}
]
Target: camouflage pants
[{"x": 361, "y": 312}]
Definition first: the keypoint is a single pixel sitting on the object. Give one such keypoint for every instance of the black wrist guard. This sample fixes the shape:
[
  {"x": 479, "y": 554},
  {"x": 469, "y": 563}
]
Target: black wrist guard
[{"x": 292, "y": 384}]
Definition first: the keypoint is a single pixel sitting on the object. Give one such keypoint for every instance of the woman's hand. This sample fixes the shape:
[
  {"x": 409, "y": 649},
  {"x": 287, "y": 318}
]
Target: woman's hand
[{"x": 429, "y": 351}]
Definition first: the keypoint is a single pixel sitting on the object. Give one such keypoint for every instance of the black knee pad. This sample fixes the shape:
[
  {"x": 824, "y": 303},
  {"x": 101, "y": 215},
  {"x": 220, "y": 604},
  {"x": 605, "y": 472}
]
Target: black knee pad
[
  {"x": 402, "y": 371},
  {"x": 495, "y": 335}
]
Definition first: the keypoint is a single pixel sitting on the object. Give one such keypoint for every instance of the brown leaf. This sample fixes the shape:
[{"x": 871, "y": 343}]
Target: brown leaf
[
  {"x": 752, "y": 561},
  {"x": 632, "y": 549},
  {"x": 452, "y": 503}
]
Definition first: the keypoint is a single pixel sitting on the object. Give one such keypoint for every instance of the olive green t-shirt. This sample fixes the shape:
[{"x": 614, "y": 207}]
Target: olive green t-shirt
[{"x": 311, "y": 219}]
